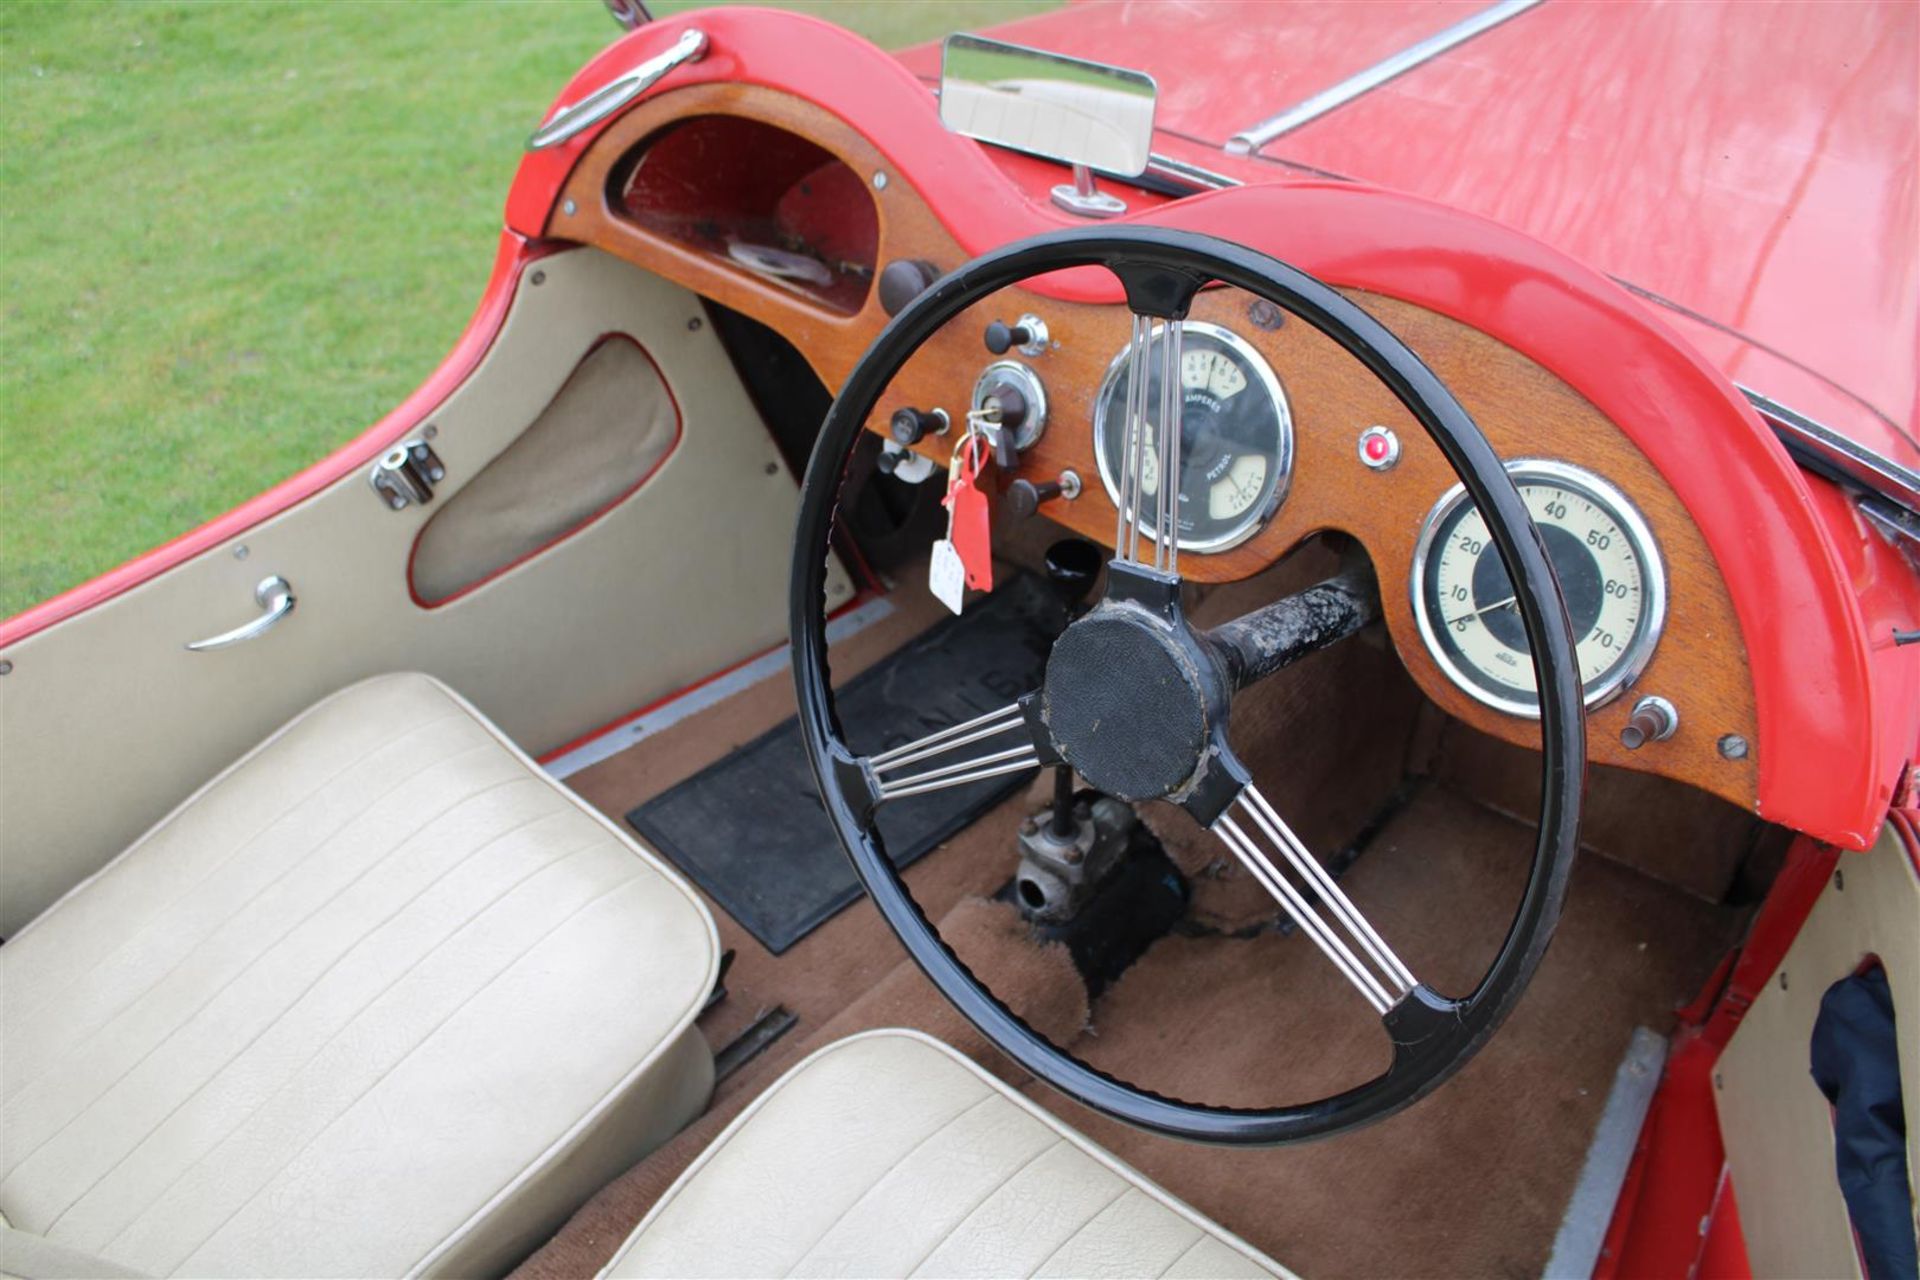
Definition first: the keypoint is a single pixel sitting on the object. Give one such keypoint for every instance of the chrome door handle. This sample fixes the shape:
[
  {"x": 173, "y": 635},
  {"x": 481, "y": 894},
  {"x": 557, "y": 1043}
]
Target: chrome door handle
[
  {"x": 274, "y": 596},
  {"x": 577, "y": 117}
]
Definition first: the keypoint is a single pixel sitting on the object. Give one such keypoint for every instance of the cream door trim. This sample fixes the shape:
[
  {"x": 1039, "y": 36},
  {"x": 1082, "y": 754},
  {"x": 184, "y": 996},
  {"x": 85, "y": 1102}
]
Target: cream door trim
[
  {"x": 107, "y": 721},
  {"x": 1777, "y": 1125}
]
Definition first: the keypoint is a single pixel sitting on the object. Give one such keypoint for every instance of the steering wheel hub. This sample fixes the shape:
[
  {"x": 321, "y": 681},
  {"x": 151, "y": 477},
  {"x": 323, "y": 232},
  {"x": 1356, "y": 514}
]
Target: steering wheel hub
[{"x": 1130, "y": 700}]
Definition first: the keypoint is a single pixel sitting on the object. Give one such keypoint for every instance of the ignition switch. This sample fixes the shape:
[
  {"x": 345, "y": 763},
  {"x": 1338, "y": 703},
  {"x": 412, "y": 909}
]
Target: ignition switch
[{"x": 1010, "y": 405}]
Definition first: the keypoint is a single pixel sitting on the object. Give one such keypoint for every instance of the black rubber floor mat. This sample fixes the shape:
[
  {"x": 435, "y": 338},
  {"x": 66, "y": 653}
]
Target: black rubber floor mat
[{"x": 749, "y": 829}]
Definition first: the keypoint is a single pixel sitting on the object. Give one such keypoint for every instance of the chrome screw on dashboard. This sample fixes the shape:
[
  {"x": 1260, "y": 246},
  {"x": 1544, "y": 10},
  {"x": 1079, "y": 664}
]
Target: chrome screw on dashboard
[{"x": 1379, "y": 448}]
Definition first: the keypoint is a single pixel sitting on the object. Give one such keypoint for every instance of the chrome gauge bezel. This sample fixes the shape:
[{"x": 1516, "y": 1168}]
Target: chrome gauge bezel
[
  {"x": 1255, "y": 518},
  {"x": 1645, "y": 547}
]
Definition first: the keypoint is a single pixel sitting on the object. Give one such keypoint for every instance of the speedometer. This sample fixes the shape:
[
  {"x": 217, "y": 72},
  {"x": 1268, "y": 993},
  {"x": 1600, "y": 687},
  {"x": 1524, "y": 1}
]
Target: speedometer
[
  {"x": 1236, "y": 435},
  {"x": 1609, "y": 570}
]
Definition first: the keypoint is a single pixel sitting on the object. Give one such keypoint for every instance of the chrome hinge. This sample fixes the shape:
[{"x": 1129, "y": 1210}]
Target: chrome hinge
[{"x": 406, "y": 474}]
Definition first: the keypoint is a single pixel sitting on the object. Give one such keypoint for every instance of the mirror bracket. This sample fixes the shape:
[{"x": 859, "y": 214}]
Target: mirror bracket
[{"x": 1082, "y": 197}]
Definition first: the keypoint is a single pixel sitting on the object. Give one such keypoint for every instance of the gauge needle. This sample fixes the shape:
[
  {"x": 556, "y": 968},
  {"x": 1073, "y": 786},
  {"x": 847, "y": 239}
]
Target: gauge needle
[{"x": 1485, "y": 608}]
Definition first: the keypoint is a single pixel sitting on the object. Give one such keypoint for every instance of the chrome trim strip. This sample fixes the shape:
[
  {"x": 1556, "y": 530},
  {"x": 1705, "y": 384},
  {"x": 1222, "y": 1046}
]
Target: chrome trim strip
[
  {"x": 1249, "y": 140},
  {"x": 774, "y": 662},
  {"x": 1167, "y": 166},
  {"x": 1829, "y": 451},
  {"x": 1896, "y": 523},
  {"x": 577, "y": 117},
  {"x": 1576, "y": 1249}
]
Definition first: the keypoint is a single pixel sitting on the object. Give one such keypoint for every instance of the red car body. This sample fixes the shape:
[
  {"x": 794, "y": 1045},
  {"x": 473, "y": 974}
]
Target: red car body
[{"x": 1646, "y": 273}]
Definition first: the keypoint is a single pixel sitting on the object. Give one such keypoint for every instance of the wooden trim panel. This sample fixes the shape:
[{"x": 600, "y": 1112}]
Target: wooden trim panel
[{"x": 1525, "y": 411}]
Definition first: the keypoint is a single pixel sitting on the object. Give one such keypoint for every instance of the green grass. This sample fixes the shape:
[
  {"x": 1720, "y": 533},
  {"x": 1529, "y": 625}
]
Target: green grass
[{"x": 233, "y": 235}]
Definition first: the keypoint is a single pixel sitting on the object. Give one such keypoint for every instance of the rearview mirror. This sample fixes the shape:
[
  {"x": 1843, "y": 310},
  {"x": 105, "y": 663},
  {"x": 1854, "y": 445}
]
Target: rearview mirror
[{"x": 1047, "y": 104}]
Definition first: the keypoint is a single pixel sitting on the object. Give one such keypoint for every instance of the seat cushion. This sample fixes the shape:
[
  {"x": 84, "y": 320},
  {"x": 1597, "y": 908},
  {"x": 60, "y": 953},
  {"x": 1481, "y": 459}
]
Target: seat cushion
[
  {"x": 381, "y": 998},
  {"x": 889, "y": 1154}
]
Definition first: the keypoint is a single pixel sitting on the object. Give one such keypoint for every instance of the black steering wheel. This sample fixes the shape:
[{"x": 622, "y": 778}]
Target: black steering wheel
[{"x": 1137, "y": 700}]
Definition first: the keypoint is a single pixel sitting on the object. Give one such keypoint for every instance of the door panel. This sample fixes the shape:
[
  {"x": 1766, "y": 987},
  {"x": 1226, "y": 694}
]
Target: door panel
[
  {"x": 1777, "y": 1124},
  {"x": 107, "y": 721}
]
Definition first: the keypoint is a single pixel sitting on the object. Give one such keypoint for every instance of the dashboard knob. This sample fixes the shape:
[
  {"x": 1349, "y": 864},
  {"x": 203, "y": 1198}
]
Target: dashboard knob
[
  {"x": 903, "y": 280},
  {"x": 1024, "y": 496},
  {"x": 1001, "y": 339},
  {"x": 909, "y": 425},
  {"x": 1654, "y": 719}
]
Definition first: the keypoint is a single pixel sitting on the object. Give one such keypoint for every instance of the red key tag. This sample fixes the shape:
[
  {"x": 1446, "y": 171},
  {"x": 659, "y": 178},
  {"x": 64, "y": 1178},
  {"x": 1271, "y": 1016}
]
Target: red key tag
[
  {"x": 953, "y": 569},
  {"x": 968, "y": 525}
]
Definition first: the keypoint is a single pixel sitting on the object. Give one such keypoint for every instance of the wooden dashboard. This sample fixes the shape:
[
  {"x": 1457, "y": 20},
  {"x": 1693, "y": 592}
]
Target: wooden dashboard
[{"x": 1700, "y": 663}]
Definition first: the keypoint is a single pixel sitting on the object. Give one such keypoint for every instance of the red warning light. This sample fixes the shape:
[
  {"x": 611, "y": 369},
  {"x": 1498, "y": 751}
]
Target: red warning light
[{"x": 1379, "y": 448}]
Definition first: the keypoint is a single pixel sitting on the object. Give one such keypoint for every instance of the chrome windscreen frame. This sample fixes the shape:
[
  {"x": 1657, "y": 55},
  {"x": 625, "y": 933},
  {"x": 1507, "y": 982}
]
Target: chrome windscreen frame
[
  {"x": 1255, "y": 518},
  {"x": 1653, "y": 569}
]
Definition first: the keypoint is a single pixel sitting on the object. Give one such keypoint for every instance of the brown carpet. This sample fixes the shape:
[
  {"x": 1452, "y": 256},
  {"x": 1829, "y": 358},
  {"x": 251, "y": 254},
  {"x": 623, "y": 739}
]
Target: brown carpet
[{"x": 1471, "y": 1181}]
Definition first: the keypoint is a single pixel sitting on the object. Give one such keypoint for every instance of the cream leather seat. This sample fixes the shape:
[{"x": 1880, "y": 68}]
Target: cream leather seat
[
  {"x": 381, "y": 998},
  {"x": 888, "y": 1154}
]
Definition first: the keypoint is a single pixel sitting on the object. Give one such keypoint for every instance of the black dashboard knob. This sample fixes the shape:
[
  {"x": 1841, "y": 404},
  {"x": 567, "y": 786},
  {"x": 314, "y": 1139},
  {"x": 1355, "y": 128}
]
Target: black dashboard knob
[
  {"x": 1024, "y": 496},
  {"x": 903, "y": 280},
  {"x": 1001, "y": 339},
  {"x": 908, "y": 425}
]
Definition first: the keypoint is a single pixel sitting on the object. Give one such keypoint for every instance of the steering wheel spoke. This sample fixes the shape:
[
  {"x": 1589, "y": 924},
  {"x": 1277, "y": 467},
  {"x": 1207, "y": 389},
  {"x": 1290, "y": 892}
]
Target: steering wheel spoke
[
  {"x": 1149, "y": 486},
  {"x": 1008, "y": 740},
  {"x": 1255, "y": 833}
]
